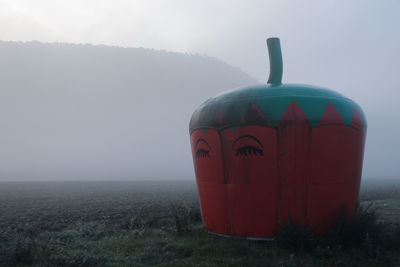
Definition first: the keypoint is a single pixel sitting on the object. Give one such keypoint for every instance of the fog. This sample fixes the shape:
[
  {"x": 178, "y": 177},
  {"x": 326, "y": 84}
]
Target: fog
[
  {"x": 85, "y": 112},
  {"x": 96, "y": 112}
]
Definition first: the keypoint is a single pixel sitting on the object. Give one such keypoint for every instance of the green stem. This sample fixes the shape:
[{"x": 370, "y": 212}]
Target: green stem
[{"x": 275, "y": 61}]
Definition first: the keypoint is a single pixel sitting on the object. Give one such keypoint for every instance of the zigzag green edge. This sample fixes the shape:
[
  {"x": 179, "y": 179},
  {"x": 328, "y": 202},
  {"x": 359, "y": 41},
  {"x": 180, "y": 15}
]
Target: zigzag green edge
[{"x": 273, "y": 102}]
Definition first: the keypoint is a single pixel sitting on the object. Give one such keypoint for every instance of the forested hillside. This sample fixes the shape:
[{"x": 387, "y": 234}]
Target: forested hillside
[{"x": 83, "y": 111}]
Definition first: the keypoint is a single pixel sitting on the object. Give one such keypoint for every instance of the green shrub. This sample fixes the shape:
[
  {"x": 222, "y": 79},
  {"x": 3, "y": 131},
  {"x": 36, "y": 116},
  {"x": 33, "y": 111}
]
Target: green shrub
[
  {"x": 295, "y": 237},
  {"x": 181, "y": 216},
  {"x": 355, "y": 230},
  {"x": 195, "y": 214},
  {"x": 362, "y": 230},
  {"x": 15, "y": 248}
]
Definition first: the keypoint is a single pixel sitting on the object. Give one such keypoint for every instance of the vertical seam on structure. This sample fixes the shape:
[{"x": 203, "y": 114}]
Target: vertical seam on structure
[
  {"x": 295, "y": 176},
  {"x": 308, "y": 172},
  {"x": 279, "y": 200},
  {"x": 222, "y": 155},
  {"x": 224, "y": 184}
]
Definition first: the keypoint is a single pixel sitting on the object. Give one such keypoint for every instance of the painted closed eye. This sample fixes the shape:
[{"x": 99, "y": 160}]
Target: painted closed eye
[
  {"x": 248, "y": 146},
  {"x": 249, "y": 151},
  {"x": 202, "y": 153},
  {"x": 202, "y": 148}
]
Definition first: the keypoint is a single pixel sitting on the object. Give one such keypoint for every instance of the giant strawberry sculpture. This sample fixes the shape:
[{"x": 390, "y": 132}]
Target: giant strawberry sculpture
[{"x": 266, "y": 153}]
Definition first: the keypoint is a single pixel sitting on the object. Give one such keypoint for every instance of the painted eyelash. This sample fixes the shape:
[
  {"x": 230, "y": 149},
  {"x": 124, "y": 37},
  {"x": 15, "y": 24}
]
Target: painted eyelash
[
  {"x": 202, "y": 153},
  {"x": 249, "y": 151}
]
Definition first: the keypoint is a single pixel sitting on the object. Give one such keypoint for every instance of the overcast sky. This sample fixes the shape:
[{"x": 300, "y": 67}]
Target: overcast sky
[{"x": 350, "y": 46}]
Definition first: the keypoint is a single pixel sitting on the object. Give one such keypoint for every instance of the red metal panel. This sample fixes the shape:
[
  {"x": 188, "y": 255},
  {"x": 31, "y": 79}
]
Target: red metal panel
[
  {"x": 250, "y": 162},
  {"x": 336, "y": 163},
  {"x": 336, "y": 152},
  {"x": 357, "y": 123},
  {"x": 294, "y": 135},
  {"x": 213, "y": 206},
  {"x": 252, "y": 210},
  {"x": 207, "y": 158},
  {"x": 243, "y": 162}
]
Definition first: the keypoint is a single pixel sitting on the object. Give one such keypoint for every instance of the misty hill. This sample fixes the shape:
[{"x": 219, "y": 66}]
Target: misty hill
[{"x": 82, "y": 111}]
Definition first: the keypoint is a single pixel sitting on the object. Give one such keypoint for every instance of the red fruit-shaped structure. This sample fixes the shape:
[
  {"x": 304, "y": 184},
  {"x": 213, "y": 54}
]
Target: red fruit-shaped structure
[{"x": 270, "y": 152}]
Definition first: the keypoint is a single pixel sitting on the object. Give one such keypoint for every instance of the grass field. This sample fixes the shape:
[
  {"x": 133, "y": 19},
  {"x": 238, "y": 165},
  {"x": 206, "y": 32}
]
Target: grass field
[{"x": 152, "y": 223}]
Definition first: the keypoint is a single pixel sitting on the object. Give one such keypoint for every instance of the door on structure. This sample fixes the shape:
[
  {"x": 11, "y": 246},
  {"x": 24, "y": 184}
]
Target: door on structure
[
  {"x": 251, "y": 176},
  {"x": 294, "y": 151},
  {"x": 207, "y": 159},
  {"x": 335, "y": 167}
]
